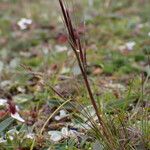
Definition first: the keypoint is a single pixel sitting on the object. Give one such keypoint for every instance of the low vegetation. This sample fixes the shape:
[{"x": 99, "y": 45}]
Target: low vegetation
[{"x": 74, "y": 75}]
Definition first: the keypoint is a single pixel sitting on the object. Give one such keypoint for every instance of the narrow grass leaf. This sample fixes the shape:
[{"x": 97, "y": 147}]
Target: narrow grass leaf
[{"x": 4, "y": 124}]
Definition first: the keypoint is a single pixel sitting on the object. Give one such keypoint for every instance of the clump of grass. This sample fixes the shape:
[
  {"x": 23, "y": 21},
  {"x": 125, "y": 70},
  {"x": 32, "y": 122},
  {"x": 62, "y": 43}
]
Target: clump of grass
[
  {"x": 112, "y": 131},
  {"x": 75, "y": 43}
]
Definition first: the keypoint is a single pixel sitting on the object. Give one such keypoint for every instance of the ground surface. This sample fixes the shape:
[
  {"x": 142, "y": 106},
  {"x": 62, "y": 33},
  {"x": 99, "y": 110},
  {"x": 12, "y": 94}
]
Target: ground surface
[{"x": 117, "y": 41}]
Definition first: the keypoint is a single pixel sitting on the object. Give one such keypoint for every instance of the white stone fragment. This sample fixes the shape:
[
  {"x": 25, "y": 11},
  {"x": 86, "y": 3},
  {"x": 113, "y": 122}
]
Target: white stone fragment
[
  {"x": 30, "y": 136},
  {"x": 57, "y": 118},
  {"x": 130, "y": 45},
  {"x": 23, "y": 23},
  {"x": 3, "y": 102},
  {"x": 55, "y": 136},
  {"x": 17, "y": 117},
  {"x": 65, "y": 132},
  {"x": 127, "y": 46},
  {"x": 59, "y": 48},
  {"x": 62, "y": 114}
]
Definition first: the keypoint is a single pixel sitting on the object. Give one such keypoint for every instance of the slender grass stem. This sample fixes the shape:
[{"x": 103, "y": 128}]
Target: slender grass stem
[
  {"x": 53, "y": 115},
  {"x": 75, "y": 43}
]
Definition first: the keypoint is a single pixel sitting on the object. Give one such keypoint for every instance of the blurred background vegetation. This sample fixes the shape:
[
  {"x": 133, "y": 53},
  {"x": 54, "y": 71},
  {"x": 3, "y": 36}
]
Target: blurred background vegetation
[{"x": 117, "y": 39}]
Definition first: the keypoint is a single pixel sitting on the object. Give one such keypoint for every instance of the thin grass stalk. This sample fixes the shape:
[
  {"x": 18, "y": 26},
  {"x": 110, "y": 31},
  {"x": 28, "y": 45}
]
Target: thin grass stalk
[
  {"x": 43, "y": 127},
  {"x": 77, "y": 48},
  {"x": 74, "y": 47}
]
